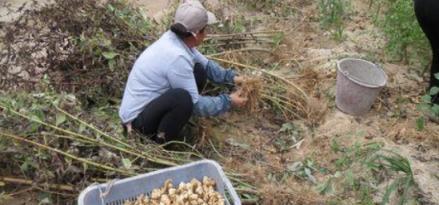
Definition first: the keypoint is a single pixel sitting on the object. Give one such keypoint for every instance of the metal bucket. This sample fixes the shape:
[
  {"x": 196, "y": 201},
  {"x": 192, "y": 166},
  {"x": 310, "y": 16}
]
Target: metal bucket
[{"x": 358, "y": 84}]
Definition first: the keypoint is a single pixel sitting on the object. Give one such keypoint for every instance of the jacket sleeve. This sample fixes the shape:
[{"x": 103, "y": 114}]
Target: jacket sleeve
[
  {"x": 212, "y": 106},
  {"x": 215, "y": 72},
  {"x": 181, "y": 76}
]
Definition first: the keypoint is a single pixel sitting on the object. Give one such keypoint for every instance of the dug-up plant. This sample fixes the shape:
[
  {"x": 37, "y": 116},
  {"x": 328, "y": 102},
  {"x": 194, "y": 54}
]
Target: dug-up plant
[{"x": 83, "y": 46}]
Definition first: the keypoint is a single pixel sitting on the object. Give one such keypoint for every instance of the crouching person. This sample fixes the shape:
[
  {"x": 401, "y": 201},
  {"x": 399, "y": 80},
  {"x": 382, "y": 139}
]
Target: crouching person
[{"x": 164, "y": 85}]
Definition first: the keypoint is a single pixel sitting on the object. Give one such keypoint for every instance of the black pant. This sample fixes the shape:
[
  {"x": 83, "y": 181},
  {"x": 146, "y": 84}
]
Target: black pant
[
  {"x": 170, "y": 112},
  {"x": 427, "y": 13}
]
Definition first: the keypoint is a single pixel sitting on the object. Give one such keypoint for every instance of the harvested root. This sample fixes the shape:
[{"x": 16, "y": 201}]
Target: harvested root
[
  {"x": 251, "y": 89},
  {"x": 192, "y": 193}
]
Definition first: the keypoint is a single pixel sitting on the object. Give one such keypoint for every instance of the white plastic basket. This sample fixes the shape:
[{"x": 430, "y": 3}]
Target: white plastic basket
[{"x": 131, "y": 188}]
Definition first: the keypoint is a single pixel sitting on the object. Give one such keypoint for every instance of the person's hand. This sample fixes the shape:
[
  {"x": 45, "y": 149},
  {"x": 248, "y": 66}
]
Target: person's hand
[
  {"x": 237, "y": 99},
  {"x": 238, "y": 80}
]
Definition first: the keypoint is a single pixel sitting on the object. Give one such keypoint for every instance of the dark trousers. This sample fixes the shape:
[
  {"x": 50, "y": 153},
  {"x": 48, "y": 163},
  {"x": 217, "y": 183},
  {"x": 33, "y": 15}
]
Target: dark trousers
[
  {"x": 427, "y": 13},
  {"x": 170, "y": 112}
]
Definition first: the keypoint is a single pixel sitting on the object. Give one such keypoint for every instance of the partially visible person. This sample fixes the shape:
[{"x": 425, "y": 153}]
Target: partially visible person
[
  {"x": 427, "y": 13},
  {"x": 164, "y": 86}
]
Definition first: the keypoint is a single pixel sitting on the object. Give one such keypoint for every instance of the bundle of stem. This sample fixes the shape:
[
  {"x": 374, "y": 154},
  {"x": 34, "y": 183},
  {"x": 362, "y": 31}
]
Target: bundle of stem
[
  {"x": 149, "y": 152},
  {"x": 280, "y": 93},
  {"x": 123, "y": 147}
]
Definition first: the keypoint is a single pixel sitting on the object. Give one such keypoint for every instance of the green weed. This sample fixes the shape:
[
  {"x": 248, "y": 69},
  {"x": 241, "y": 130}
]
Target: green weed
[
  {"x": 429, "y": 109},
  {"x": 406, "y": 41},
  {"x": 332, "y": 15},
  {"x": 304, "y": 170},
  {"x": 361, "y": 168}
]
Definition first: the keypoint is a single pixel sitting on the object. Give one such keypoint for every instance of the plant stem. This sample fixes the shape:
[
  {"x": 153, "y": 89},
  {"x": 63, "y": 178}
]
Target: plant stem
[
  {"x": 132, "y": 152},
  {"x": 30, "y": 182},
  {"x": 246, "y": 33},
  {"x": 85, "y": 161},
  {"x": 265, "y": 72},
  {"x": 91, "y": 127},
  {"x": 240, "y": 50}
]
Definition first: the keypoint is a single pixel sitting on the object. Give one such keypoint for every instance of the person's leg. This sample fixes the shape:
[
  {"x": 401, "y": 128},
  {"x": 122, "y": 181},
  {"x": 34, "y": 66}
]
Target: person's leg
[
  {"x": 173, "y": 122},
  {"x": 200, "y": 76},
  {"x": 167, "y": 114},
  {"x": 435, "y": 46},
  {"x": 426, "y": 13},
  {"x": 434, "y": 82}
]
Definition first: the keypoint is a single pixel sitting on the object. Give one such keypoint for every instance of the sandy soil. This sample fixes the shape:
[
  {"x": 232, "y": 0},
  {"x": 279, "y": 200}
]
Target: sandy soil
[{"x": 153, "y": 9}]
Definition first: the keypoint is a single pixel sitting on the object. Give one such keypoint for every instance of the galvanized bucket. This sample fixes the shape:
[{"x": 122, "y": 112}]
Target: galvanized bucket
[{"x": 358, "y": 85}]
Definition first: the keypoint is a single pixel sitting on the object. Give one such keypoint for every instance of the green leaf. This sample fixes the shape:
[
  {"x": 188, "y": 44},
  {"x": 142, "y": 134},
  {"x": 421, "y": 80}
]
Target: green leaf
[
  {"x": 24, "y": 167},
  {"x": 435, "y": 110},
  {"x": 310, "y": 176},
  {"x": 126, "y": 163},
  {"x": 109, "y": 55},
  {"x": 335, "y": 146},
  {"x": 60, "y": 118},
  {"x": 424, "y": 107},
  {"x": 286, "y": 127},
  {"x": 111, "y": 8},
  {"x": 326, "y": 187},
  {"x": 426, "y": 99},
  {"x": 111, "y": 64},
  {"x": 434, "y": 90},
  {"x": 436, "y": 76},
  {"x": 393, "y": 187},
  {"x": 38, "y": 115},
  {"x": 350, "y": 180},
  {"x": 420, "y": 124}
]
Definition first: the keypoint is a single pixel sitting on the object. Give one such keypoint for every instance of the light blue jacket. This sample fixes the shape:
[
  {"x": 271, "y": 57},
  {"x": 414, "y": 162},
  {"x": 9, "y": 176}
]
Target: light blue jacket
[{"x": 168, "y": 63}]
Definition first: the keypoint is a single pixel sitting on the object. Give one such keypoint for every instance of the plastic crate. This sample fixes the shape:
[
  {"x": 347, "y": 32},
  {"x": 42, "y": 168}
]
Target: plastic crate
[{"x": 131, "y": 188}]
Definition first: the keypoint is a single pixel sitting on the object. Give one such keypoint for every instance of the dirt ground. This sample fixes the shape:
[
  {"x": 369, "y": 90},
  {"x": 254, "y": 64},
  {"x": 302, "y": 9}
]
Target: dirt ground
[
  {"x": 314, "y": 48},
  {"x": 153, "y": 9},
  {"x": 248, "y": 147}
]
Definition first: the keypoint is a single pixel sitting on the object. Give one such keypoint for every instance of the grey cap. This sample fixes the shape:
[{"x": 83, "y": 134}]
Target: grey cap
[{"x": 193, "y": 16}]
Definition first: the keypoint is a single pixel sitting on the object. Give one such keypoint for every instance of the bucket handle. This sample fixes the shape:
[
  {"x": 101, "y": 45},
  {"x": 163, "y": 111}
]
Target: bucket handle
[{"x": 346, "y": 73}]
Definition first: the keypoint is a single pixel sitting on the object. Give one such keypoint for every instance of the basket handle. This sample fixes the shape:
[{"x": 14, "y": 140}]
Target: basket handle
[{"x": 231, "y": 191}]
